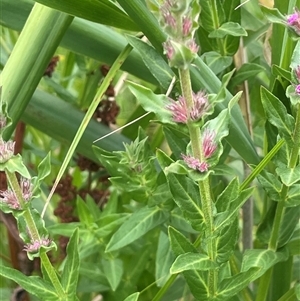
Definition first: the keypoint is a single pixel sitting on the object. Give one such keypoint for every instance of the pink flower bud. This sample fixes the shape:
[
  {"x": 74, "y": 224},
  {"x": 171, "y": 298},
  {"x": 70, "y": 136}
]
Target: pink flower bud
[{"x": 208, "y": 143}]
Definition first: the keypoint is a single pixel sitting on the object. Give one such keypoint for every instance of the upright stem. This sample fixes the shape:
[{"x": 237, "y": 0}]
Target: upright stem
[
  {"x": 34, "y": 233},
  {"x": 204, "y": 185},
  {"x": 265, "y": 279}
]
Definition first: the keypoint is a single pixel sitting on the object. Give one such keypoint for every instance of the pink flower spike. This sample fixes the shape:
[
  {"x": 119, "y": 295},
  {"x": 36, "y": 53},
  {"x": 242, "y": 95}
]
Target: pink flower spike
[
  {"x": 297, "y": 90},
  {"x": 208, "y": 143},
  {"x": 9, "y": 197},
  {"x": 178, "y": 110},
  {"x": 35, "y": 245}
]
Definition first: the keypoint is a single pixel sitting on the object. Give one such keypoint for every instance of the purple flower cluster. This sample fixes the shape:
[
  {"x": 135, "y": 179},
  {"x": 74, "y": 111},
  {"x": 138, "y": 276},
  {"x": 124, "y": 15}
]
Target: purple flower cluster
[
  {"x": 35, "y": 245},
  {"x": 182, "y": 114},
  {"x": 9, "y": 197},
  {"x": 6, "y": 150},
  {"x": 293, "y": 21}
]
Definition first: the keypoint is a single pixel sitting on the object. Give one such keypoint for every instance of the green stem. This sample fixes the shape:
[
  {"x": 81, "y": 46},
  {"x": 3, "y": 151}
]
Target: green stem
[
  {"x": 164, "y": 289},
  {"x": 264, "y": 283},
  {"x": 52, "y": 274},
  {"x": 216, "y": 22},
  {"x": 32, "y": 229},
  {"x": 204, "y": 185},
  {"x": 15, "y": 187}
]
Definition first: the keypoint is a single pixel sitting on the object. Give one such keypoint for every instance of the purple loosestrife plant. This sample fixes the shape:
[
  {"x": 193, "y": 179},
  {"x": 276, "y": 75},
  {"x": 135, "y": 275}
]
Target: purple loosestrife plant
[{"x": 17, "y": 200}]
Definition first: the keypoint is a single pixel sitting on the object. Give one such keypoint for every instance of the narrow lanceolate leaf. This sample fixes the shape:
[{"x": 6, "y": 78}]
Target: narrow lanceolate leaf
[
  {"x": 69, "y": 277},
  {"x": 140, "y": 222},
  {"x": 34, "y": 285},
  {"x": 113, "y": 270},
  {"x": 164, "y": 259},
  {"x": 192, "y": 261},
  {"x": 104, "y": 12},
  {"x": 229, "y": 28},
  {"x": 152, "y": 102},
  {"x": 277, "y": 114},
  {"x": 186, "y": 196},
  {"x": 154, "y": 62}
]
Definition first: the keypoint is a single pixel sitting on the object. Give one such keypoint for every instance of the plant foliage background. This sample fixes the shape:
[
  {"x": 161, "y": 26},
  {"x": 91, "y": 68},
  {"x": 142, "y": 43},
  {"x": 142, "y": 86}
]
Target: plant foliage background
[{"x": 125, "y": 217}]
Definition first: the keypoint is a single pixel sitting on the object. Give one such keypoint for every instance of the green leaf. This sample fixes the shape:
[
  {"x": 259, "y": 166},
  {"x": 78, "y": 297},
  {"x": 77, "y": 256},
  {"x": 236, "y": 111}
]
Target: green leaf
[
  {"x": 271, "y": 184},
  {"x": 179, "y": 243},
  {"x": 289, "y": 176},
  {"x": 277, "y": 114},
  {"x": 84, "y": 214},
  {"x": 294, "y": 244},
  {"x": 69, "y": 277},
  {"x": 196, "y": 279},
  {"x": 226, "y": 241},
  {"x": 229, "y": 287},
  {"x": 192, "y": 261},
  {"x": 113, "y": 270},
  {"x": 132, "y": 297},
  {"x": 229, "y": 28},
  {"x": 278, "y": 71},
  {"x": 273, "y": 15},
  {"x": 216, "y": 62},
  {"x": 108, "y": 223},
  {"x": 209, "y": 15},
  {"x": 186, "y": 196},
  {"x": 33, "y": 284},
  {"x": 293, "y": 196},
  {"x": 295, "y": 57},
  {"x": 229, "y": 194},
  {"x": 264, "y": 259},
  {"x": 164, "y": 259},
  {"x": 154, "y": 62},
  {"x": 225, "y": 217},
  {"x": 44, "y": 170},
  {"x": 15, "y": 164},
  {"x": 103, "y": 11},
  {"x": 247, "y": 71},
  {"x": 140, "y": 222},
  {"x": 288, "y": 225},
  {"x": 220, "y": 126},
  {"x": 152, "y": 102}
]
